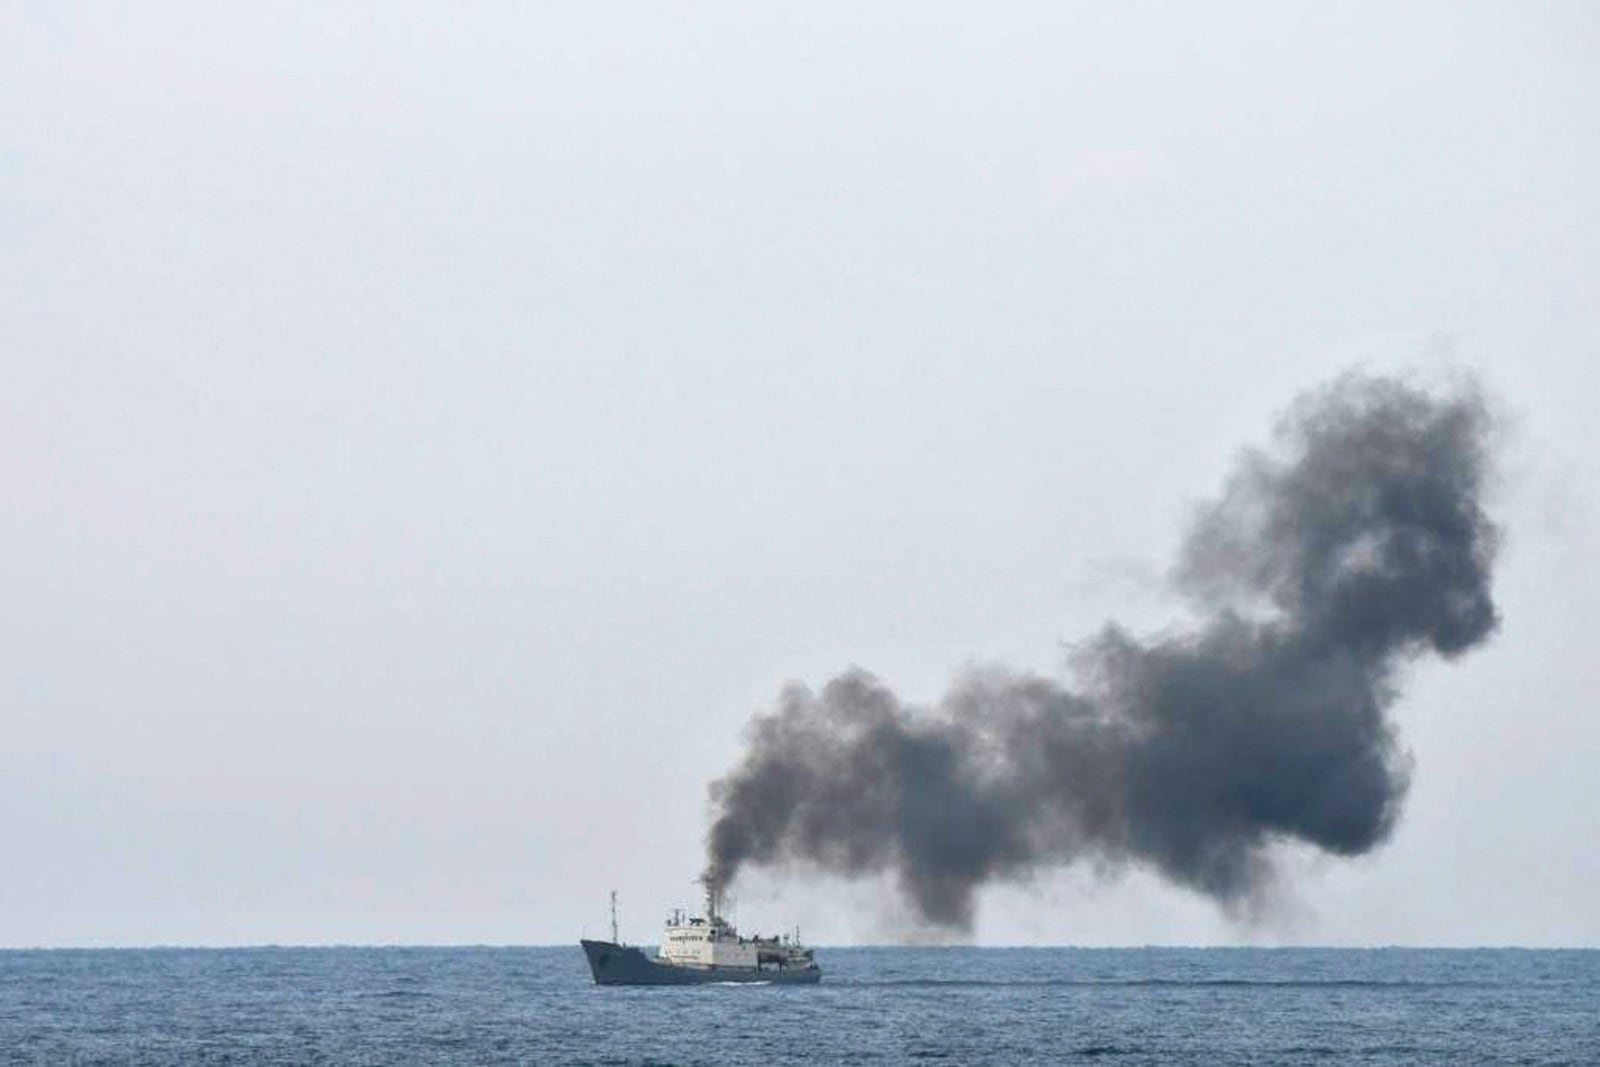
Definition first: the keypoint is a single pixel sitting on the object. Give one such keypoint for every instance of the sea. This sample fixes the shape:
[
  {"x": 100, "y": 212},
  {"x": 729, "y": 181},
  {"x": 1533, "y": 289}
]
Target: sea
[{"x": 537, "y": 1005}]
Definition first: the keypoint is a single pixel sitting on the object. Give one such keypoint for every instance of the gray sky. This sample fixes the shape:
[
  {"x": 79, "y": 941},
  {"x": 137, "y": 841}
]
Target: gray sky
[{"x": 428, "y": 436}]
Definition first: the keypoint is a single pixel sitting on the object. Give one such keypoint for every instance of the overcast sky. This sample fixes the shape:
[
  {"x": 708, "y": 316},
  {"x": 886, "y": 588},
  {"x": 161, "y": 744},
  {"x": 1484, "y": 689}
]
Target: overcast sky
[{"x": 430, "y": 431}]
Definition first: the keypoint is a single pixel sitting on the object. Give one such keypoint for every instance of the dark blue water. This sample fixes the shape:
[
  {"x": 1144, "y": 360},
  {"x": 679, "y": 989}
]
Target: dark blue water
[{"x": 876, "y": 1005}]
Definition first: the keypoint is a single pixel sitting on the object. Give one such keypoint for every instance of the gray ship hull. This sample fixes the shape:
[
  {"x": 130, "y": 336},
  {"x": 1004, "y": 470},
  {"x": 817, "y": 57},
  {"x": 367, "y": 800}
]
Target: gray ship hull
[{"x": 614, "y": 964}]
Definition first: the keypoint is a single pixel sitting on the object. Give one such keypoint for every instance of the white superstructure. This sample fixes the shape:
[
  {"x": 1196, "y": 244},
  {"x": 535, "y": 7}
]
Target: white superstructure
[{"x": 711, "y": 941}]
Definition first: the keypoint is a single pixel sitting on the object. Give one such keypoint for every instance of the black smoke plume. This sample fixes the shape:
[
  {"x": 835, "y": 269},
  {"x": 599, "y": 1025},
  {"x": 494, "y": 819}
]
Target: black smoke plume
[{"x": 1356, "y": 544}]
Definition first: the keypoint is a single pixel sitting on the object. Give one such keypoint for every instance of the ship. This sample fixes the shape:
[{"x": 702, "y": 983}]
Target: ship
[{"x": 701, "y": 948}]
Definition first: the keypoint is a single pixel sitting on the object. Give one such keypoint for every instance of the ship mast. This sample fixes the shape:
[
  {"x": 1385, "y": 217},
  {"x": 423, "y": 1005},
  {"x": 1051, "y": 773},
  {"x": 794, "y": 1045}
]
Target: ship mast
[
  {"x": 615, "y": 940},
  {"x": 713, "y": 898}
]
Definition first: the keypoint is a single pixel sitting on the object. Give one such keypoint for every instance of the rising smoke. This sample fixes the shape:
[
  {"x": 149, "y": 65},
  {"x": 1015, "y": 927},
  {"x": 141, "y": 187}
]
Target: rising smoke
[{"x": 1355, "y": 545}]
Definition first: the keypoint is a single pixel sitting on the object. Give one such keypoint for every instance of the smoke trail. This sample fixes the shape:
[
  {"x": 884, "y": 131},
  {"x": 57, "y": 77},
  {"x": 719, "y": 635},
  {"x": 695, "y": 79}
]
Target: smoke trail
[{"x": 1357, "y": 544}]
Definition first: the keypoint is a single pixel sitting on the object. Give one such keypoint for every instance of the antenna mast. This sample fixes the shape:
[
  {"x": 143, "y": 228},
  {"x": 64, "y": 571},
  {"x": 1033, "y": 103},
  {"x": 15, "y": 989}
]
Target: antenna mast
[
  {"x": 614, "y": 939},
  {"x": 713, "y": 898}
]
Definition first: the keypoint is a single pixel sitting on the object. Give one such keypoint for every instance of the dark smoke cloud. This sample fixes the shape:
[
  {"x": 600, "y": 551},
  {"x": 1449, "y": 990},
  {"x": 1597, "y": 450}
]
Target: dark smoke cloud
[{"x": 1356, "y": 544}]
